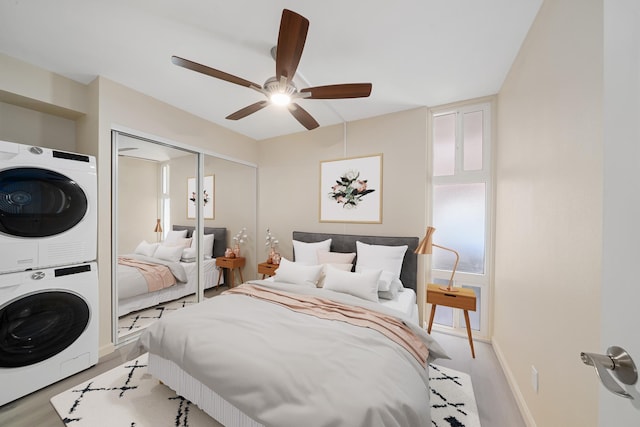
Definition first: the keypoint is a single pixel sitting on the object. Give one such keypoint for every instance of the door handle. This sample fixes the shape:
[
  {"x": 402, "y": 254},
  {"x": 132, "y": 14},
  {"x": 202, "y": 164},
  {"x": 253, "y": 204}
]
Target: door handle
[{"x": 618, "y": 361}]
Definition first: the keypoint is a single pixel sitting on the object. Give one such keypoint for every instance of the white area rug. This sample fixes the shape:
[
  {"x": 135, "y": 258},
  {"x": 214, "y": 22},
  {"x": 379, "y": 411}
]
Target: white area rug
[
  {"x": 128, "y": 396},
  {"x": 453, "y": 403}
]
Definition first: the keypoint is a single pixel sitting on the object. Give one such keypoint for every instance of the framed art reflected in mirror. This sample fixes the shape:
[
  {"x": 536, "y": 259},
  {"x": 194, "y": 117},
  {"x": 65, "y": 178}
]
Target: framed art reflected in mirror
[{"x": 208, "y": 197}]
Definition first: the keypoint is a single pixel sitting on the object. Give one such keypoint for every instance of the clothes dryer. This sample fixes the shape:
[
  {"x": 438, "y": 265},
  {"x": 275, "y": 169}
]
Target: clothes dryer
[
  {"x": 48, "y": 207},
  {"x": 48, "y": 327}
]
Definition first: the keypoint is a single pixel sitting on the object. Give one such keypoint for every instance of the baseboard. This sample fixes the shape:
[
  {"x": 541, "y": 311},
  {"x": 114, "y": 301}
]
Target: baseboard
[{"x": 522, "y": 405}]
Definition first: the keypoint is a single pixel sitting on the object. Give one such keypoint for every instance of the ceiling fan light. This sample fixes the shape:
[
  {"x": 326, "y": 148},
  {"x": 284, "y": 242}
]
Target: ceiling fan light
[{"x": 280, "y": 98}]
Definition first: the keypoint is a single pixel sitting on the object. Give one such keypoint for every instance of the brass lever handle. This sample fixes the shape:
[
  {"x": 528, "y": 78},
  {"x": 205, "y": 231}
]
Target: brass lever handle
[{"x": 618, "y": 361}]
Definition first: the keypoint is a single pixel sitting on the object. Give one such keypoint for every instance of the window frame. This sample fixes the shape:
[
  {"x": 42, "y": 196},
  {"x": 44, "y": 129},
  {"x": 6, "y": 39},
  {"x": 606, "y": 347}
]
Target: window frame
[{"x": 485, "y": 175}]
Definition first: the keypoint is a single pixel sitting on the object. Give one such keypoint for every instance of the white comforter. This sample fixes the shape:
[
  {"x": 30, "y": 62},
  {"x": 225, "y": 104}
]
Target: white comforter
[{"x": 284, "y": 368}]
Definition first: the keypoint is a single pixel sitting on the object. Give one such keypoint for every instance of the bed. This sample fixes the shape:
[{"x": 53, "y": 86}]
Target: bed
[
  {"x": 255, "y": 355},
  {"x": 133, "y": 290}
]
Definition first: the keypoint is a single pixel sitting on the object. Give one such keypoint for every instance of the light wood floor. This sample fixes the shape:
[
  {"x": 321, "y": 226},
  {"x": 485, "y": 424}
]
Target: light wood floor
[{"x": 496, "y": 404}]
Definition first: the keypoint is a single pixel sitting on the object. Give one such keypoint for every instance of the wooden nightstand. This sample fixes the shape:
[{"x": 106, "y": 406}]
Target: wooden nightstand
[
  {"x": 267, "y": 269},
  {"x": 231, "y": 264},
  {"x": 463, "y": 298}
]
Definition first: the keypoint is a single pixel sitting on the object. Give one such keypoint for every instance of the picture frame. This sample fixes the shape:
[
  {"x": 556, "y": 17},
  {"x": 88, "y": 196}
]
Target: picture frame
[
  {"x": 351, "y": 190},
  {"x": 209, "y": 197}
]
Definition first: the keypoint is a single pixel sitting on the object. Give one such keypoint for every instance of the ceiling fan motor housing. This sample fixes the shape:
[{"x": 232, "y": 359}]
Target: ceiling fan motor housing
[{"x": 273, "y": 85}]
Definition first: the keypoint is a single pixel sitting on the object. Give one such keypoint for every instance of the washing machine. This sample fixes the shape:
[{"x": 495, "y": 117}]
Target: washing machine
[
  {"x": 48, "y": 207},
  {"x": 48, "y": 327}
]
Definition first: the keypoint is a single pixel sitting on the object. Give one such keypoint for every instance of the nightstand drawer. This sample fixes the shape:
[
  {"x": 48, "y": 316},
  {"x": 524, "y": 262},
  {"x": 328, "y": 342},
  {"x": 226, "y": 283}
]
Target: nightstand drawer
[
  {"x": 463, "y": 298},
  {"x": 230, "y": 262},
  {"x": 267, "y": 269}
]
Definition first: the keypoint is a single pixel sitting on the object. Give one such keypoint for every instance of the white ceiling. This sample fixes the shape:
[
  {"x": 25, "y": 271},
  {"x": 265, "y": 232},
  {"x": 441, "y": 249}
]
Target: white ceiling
[{"x": 415, "y": 52}]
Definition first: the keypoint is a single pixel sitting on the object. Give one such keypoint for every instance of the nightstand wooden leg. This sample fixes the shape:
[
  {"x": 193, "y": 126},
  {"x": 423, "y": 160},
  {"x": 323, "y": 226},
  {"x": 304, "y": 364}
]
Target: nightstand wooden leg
[
  {"x": 431, "y": 316},
  {"x": 466, "y": 319},
  {"x": 220, "y": 273},
  {"x": 241, "y": 279}
]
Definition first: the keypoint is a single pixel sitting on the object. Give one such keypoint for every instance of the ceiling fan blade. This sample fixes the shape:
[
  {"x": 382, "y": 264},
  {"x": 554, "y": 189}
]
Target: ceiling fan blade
[
  {"x": 349, "y": 90},
  {"x": 244, "y": 112},
  {"x": 291, "y": 38},
  {"x": 212, "y": 72},
  {"x": 303, "y": 116}
]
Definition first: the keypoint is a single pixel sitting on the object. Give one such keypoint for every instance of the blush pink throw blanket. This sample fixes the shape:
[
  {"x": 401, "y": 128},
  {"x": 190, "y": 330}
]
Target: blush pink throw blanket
[
  {"x": 323, "y": 308},
  {"x": 157, "y": 276}
]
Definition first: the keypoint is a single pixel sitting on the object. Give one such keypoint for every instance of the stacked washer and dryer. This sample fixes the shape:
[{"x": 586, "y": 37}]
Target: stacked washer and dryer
[{"x": 48, "y": 273}]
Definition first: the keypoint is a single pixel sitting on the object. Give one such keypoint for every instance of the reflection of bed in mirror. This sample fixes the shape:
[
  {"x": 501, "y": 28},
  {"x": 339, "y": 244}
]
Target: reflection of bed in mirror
[{"x": 136, "y": 292}]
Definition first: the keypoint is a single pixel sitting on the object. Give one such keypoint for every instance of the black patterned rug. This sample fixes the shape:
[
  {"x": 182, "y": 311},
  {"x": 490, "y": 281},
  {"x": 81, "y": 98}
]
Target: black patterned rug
[{"x": 128, "y": 396}]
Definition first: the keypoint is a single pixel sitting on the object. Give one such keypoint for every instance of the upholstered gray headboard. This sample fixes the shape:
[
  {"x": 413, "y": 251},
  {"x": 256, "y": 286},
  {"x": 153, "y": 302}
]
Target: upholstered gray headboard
[
  {"x": 347, "y": 243},
  {"x": 219, "y": 241}
]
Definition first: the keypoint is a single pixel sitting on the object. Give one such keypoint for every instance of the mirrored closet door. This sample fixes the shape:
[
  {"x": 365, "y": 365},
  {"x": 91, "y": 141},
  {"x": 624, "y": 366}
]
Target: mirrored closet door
[{"x": 161, "y": 192}]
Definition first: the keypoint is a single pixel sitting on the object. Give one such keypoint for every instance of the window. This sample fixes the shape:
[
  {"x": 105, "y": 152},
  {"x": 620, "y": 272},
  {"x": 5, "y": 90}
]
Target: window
[
  {"x": 165, "y": 198},
  {"x": 461, "y": 207}
]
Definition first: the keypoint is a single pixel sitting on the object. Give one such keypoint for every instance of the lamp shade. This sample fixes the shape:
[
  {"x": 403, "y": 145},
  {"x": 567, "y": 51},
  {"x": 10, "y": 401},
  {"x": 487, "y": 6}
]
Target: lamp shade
[
  {"x": 158, "y": 228},
  {"x": 426, "y": 245}
]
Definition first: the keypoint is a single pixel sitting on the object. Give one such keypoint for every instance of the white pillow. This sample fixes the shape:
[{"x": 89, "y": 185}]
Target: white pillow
[
  {"x": 189, "y": 253},
  {"x": 388, "y": 258},
  {"x": 181, "y": 241},
  {"x": 307, "y": 253},
  {"x": 362, "y": 285},
  {"x": 326, "y": 257},
  {"x": 146, "y": 249},
  {"x": 299, "y": 274},
  {"x": 207, "y": 243},
  {"x": 169, "y": 253},
  {"x": 173, "y": 235},
  {"x": 386, "y": 280},
  {"x": 390, "y": 294},
  {"x": 343, "y": 267}
]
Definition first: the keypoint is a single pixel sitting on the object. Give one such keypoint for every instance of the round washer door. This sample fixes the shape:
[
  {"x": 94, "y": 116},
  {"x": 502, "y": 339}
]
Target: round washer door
[
  {"x": 37, "y": 202},
  {"x": 38, "y": 326}
]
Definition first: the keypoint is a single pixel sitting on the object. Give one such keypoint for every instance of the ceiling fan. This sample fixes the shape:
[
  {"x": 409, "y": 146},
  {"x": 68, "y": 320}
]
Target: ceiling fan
[{"x": 280, "y": 89}]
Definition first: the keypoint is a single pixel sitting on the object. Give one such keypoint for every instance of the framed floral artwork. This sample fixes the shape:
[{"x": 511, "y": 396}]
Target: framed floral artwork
[
  {"x": 208, "y": 198},
  {"x": 351, "y": 190}
]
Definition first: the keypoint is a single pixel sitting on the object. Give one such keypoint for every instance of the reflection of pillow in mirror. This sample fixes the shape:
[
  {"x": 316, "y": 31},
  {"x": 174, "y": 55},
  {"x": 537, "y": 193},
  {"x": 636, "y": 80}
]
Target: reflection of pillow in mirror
[
  {"x": 183, "y": 242},
  {"x": 146, "y": 249},
  {"x": 207, "y": 243},
  {"x": 298, "y": 274},
  {"x": 174, "y": 235},
  {"x": 307, "y": 253},
  {"x": 326, "y": 257},
  {"x": 189, "y": 252},
  {"x": 169, "y": 253},
  {"x": 362, "y": 285}
]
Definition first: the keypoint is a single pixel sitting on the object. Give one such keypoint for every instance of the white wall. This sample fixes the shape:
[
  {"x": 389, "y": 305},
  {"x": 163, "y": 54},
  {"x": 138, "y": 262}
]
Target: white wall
[
  {"x": 549, "y": 213},
  {"x": 30, "y": 127},
  {"x": 138, "y": 184}
]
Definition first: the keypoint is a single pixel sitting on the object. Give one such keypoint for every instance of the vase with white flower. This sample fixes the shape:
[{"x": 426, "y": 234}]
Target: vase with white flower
[
  {"x": 238, "y": 239},
  {"x": 271, "y": 243}
]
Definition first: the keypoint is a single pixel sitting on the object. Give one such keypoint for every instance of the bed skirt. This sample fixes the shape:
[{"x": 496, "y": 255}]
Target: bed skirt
[{"x": 199, "y": 394}]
